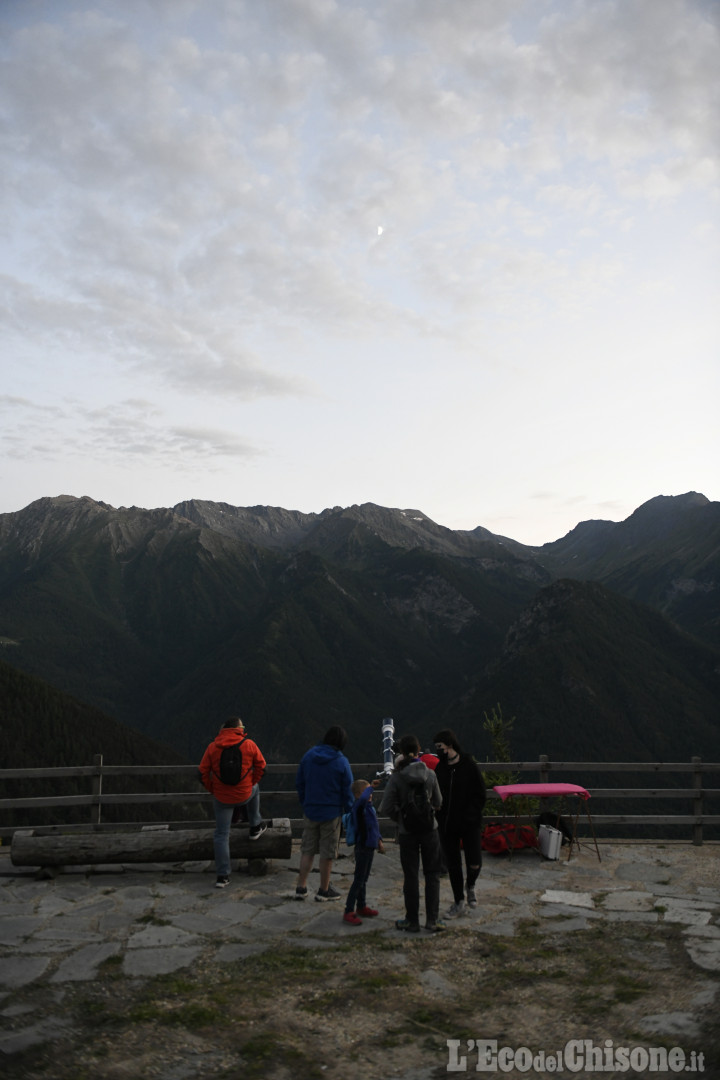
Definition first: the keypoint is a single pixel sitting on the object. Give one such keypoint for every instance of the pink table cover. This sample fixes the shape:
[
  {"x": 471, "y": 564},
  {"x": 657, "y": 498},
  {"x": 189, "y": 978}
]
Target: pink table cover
[{"x": 541, "y": 790}]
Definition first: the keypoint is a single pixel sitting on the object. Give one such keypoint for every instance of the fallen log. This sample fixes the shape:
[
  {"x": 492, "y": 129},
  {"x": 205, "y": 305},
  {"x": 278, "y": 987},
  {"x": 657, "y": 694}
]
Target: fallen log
[{"x": 151, "y": 845}]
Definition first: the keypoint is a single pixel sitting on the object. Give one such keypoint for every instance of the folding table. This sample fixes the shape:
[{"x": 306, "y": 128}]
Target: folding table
[{"x": 556, "y": 791}]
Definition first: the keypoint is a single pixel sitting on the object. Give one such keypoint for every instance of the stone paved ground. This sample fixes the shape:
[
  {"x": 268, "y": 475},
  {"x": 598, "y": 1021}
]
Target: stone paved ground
[{"x": 160, "y": 919}]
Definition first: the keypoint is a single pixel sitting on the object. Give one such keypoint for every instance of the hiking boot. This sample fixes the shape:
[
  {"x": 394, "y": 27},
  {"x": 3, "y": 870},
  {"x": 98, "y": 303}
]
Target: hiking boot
[
  {"x": 221, "y": 882},
  {"x": 300, "y": 892},
  {"x": 436, "y": 927},
  {"x": 455, "y": 909},
  {"x": 409, "y": 927},
  {"x": 471, "y": 898},
  {"x": 327, "y": 894},
  {"x": 257, "y": 830},
  {"x": 367, "y": 912},
  {"x": 352, "y": 918}
]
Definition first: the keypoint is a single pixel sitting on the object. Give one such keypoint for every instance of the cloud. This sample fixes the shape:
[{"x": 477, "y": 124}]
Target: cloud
[
  {"x": 238, "y": 167},
  {"x": 121, "y": 434},
  {"x": 191, "y": 194}
]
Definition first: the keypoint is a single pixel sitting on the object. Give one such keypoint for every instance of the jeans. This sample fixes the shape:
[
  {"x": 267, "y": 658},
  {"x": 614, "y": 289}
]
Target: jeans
[
  {"x": 356, "y": 898},
  {"x": 223, "y": 820},
  {"x": 413, "y": 848},
  {"x": 454, "y": 844}
]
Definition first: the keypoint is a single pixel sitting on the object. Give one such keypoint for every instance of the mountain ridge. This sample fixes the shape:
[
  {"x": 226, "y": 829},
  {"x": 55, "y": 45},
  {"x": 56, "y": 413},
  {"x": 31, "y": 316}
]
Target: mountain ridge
[{"x": 170, "y": 618}]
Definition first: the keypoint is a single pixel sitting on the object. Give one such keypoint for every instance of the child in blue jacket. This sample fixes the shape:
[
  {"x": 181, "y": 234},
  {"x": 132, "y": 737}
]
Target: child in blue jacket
[{"x": 367, "y": 842}]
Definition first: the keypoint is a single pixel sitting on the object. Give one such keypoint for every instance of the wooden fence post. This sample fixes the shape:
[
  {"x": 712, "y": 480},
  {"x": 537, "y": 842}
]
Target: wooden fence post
[
  {"x": 544, "y": 769},
  {"x": 95, "y": 809},
  {"x": 697, "y": 801}
]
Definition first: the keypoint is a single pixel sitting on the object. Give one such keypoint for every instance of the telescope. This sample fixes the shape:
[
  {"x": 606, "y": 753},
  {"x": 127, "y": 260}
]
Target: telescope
[{"x": 388, "y": 738}]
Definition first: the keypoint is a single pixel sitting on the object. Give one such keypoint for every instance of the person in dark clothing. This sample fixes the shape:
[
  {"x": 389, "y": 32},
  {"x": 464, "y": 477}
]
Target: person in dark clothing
[
  {"x": 415, "y": 846},
  {"x": 460, "y": 818}
]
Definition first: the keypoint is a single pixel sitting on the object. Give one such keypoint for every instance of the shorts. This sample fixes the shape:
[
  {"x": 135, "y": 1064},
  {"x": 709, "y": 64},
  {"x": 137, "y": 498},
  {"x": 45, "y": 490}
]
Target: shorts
[{"x": 320, "y": 838}]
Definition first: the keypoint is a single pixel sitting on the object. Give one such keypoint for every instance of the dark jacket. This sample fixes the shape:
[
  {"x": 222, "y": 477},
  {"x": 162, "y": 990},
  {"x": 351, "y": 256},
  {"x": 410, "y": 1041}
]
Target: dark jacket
[
  {"x": 463, "y": 793},
  {"x": 323, "y": 782}
]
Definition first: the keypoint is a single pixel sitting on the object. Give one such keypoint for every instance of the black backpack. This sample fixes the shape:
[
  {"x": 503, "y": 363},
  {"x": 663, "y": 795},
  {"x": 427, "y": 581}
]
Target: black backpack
[
  {"x": 231, "y": 764},
  {"x": 416, "y": 810}
]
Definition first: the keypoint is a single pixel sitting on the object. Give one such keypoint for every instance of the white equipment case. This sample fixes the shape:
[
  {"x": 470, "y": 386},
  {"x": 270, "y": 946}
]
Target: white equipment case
[{"x": 550, "y": 841}]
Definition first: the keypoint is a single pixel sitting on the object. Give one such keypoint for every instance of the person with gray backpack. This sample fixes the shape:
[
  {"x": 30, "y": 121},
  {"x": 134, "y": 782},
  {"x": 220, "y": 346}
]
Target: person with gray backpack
[{"x": 411, "y": 798}]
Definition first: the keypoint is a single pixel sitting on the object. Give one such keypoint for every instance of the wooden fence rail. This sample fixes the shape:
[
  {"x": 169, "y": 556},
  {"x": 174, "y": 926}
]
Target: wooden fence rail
[{"x": 695, "y": 812}]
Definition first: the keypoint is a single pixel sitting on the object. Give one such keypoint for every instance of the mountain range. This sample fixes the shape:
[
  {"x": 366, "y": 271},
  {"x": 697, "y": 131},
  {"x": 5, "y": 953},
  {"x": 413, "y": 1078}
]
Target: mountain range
[{"x": 603, "y": 644}]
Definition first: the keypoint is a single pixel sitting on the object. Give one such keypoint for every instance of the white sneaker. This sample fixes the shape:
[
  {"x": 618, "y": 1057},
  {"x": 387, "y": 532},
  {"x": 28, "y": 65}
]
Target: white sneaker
[
  {"x": 471, "y": 898},
  {"x": 455, "y": 909}
]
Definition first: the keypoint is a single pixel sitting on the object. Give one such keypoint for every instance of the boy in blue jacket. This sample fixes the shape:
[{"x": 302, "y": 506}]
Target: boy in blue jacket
[{"x": 367, "y": 842}]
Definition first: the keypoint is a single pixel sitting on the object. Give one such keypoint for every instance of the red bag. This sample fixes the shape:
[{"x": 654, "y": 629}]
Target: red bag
[{"x": 497, "y": 839}]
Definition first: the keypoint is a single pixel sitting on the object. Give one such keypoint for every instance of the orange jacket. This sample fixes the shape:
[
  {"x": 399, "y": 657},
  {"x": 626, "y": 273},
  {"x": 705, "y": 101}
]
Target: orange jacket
[{"x": 253, "y": 767}]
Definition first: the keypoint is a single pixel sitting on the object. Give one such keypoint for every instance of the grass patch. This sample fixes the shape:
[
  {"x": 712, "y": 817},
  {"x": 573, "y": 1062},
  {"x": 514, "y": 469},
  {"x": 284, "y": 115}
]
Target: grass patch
[
  {"x": 629, "y": 988},
  {"x": 268, "y": 1051},
  {"x": 110, "y": 963},
  {"x": 302, "y": 997},
  {"x": 287, "y": 961}
]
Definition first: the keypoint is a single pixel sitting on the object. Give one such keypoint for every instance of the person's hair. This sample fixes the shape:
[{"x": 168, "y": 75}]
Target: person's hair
[
  {"x": 358, "y": 786},
  {"x": 336, "y": 736},
  {"x": 409, "y": 747},
  {"x": 234, "y": 721},
  {"x": 449, "y": 738}
]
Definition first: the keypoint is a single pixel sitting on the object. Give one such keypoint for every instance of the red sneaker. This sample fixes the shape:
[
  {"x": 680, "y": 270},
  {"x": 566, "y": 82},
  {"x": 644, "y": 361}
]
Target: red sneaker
[
  {"x": 367, "y": 912},
  {"x": 352, "y": 918}
]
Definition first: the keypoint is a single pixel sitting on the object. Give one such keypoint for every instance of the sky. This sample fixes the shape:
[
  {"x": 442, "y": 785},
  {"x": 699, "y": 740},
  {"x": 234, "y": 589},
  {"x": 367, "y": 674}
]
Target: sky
[{"x": 459, "y": 256}]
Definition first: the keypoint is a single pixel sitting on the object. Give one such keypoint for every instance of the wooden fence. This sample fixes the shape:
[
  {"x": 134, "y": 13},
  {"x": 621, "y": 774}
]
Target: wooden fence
[{"x": 691, "y": 814}]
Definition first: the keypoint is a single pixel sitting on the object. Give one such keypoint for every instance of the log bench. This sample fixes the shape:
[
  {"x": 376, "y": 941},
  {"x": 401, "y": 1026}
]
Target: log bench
[{"x": 154, "y": 844}]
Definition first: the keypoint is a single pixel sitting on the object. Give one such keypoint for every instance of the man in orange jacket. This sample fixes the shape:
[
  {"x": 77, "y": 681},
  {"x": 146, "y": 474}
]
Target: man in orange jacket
[{"x": 231, "y": 769}]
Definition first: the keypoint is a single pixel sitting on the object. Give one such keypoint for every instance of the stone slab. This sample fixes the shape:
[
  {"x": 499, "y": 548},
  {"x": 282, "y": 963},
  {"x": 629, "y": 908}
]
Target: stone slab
[
  {"x": 150, "y": 962},
  {"x": 435, "y": 983},
  {"x": 15, "y": 1042},
  {"x": 703, "y": 931},
  {"x": 199, "y": 922},
  {"x": 17, "y": 928},
  {"x": 676, "y": 1024},
  {"x": 82, "y": 965},
  {"x": 706, "y": 997},
  {"x": 280, "y": 921},
  {"x": 686, "y": 915},
  {"x": 234, "y": 911},
  {"x": 686, "y": 902},
  {"x": 628, "y": 901},
  {"x": 501, "y": 928},
  {"x": 153, "y": 937},
  {"x": 16, "y": 971},
  {"x": 706, "y": 954},
  {"x": 65, "y": 933},
  {"x": 569, "y": 899}
]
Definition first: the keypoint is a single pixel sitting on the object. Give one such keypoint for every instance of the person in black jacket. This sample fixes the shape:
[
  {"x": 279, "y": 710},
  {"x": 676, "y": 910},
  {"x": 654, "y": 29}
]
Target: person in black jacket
[{"x": 460, "y": 818}]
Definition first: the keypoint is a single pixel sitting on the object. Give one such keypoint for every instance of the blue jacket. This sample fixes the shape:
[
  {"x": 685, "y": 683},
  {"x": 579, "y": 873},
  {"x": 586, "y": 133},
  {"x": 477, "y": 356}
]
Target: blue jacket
[
  {"x": 323, "y": 782},
  {"x": 367, "y": 827}
]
